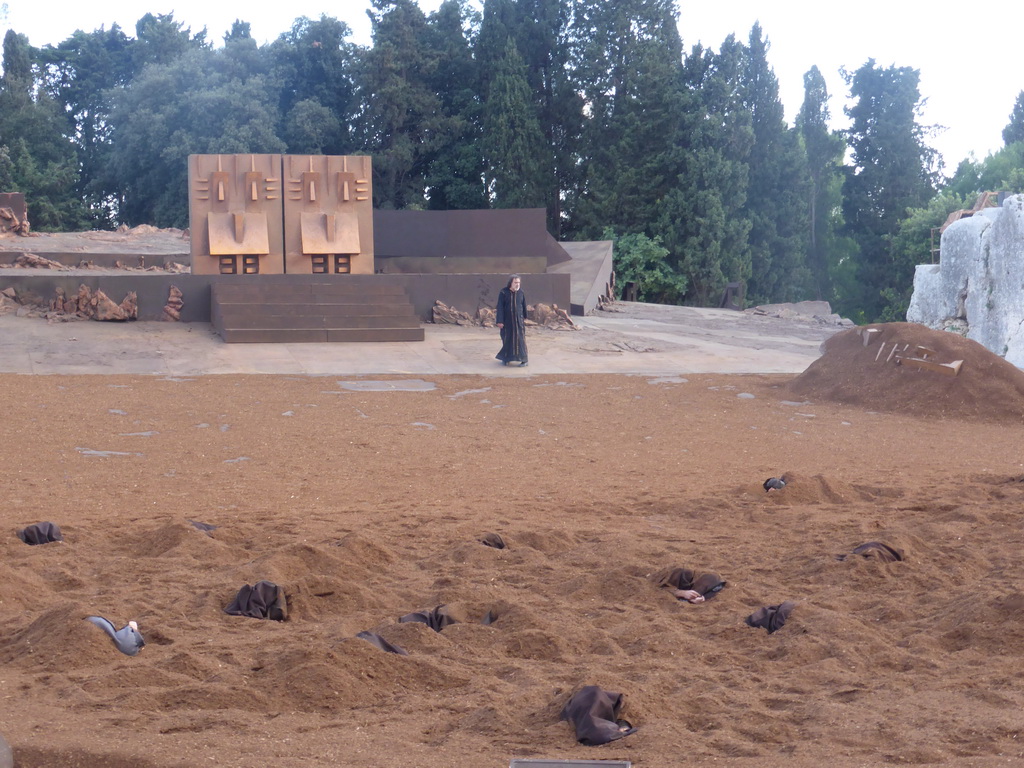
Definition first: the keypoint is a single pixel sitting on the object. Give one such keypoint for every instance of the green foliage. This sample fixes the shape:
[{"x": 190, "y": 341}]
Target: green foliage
[
  {"x": 82, "y": 74},
  {"x": 174, "y": 110},
  {"x": 403, "y": 122},
  {"x": 314, "y": 63},
  {"x": 539, "y": 29},
  {"x": 779, "y": 185},
  {"x": 1001, "y": 170},
  {"x": 696, "y": 221},
  {"x": 38, "y": 160},
  {"x": 893, "y": 170},
  {"x": 635, "y": 103},
  {"x": 824, "y": 149},
  {"x": 310, "y": 127},
  {"x": 643, "y": 260},
  {"x": 912, "y": 245},
  {"x": 701, "y": 218},
  {"x": 1014, "y": 131},
  {"x": 455, "y": 172},
  {"x": 843, "y": 265},
  {"x": 17, "y": 77},
  {"x": 543, "y": 40},
  {"x": 159, "y": 39},
  {"x": 513, "y": 142},
  {"x": 7, "y": 169}
]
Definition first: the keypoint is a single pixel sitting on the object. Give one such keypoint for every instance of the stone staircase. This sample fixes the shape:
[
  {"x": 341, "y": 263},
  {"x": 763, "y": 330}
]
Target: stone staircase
[{"x": 312, "y": 310}]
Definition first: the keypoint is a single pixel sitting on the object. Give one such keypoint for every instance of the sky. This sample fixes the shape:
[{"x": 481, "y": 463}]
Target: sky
[{"x": 966, "y": 59}]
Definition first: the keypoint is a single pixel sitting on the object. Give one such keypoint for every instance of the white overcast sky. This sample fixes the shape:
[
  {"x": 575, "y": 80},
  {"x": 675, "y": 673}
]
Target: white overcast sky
[{"x": 968, "y": 59}]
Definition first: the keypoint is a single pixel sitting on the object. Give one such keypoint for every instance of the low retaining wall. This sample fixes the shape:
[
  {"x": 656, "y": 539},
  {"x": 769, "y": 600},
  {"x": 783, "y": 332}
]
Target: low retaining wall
[{"x": 464, "y": 292}]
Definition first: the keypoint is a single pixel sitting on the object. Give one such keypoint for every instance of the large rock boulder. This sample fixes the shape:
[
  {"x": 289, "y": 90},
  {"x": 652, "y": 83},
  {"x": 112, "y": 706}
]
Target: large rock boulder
[{"x": 977, "y": 287}]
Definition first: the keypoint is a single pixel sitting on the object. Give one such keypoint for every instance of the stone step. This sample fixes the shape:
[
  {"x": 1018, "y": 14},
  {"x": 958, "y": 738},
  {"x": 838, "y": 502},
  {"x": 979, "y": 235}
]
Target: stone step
[
  {"x": 277, "y": 294},
  {"x": 253, "y": 312},
  {"x": 319, "y": 322},
  {"x": 321, "y": 335},
  {"x": 314, "y": 311}
]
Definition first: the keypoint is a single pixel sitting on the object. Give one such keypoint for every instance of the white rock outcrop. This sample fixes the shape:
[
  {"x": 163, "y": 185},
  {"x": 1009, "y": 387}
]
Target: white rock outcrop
[{"x": 977, "y": 288}]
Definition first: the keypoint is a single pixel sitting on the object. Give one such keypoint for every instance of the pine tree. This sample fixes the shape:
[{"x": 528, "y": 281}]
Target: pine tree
[
  {"x": 824, "y": 148},
  {"x": 1014, "y": 131},
  {"x": 892, "y": 171},
  {"x": 629, "y": 59},
  {"x": 402, "y": 121},
  {"x": 159, "y": 39},
  {"x": 701, "y": 219},
  {"x": 776, "y": 201},
  {"x": 512, "y": 143},
  {"x": 455, "y": 175}
]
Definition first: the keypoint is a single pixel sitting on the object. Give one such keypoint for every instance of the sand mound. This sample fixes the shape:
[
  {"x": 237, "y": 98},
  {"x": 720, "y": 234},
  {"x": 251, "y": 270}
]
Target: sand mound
[
  {"x": 176, "y": 539},
  {"x": 59, "y": 638},
  {"x": 987, "y": 388}
]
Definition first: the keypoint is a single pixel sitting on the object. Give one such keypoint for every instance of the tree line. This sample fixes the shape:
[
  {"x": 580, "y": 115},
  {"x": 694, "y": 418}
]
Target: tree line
[{"x": 589, "y": 109}]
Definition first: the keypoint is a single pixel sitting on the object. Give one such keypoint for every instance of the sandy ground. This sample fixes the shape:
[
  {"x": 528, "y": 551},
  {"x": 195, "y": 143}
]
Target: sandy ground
[
  {"x": 143, "y": 240},
  {"x": 365, "y": 505},
  {"x": 630, "y": 338}
]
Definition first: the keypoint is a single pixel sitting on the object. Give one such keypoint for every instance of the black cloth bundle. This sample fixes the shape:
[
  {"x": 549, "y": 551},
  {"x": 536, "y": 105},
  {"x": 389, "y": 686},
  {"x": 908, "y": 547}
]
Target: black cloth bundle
[
  {"x": 263, "y": 600},
  {"x": 593, "y": 712},
  {"x": 437, "y": 619},
  {"x": 204, "y": 527},
  {"x": 375, "y": 639},
  {"x": 771, "y": 617},
  {"x": 877, "y": 550},
  {"x": 493, "y": 540},
  {"x": 40, "y": 533}
]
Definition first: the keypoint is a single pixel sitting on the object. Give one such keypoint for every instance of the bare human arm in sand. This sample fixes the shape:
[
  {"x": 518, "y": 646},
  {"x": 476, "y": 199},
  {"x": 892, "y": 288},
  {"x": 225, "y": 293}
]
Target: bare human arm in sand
[{"x": 689, "y": 595}]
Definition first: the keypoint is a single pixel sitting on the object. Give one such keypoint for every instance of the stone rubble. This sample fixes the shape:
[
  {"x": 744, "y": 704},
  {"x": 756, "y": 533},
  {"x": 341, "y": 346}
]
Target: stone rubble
[{"x": 537, "y": 315}]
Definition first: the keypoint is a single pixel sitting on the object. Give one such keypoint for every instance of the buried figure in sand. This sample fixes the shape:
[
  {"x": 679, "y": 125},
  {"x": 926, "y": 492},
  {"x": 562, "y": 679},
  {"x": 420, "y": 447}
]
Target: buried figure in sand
[
  {"x": 690, "y": 586},
  {"x": 510, "y": 317}
]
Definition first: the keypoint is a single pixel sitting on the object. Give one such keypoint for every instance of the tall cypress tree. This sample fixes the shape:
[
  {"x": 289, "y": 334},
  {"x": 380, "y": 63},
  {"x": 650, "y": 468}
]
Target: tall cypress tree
[
  {"x": 702, "y": 220},
  {"x": 540, "y": 31},
  {"x": 892, "y": 171},
  {"x": 542, "y": 38},
  {"x": 513, "y": 144},
  {"x": 402, "y": 119},
  {"x": 629, "y": 60},
  {"x": 1014, "y": 130},
  {"x": 825, "y": 149},
  {"x": 776, "y": 201},
  {"x": 498, "y": 26},
  {"x": 455, "y": 175}
]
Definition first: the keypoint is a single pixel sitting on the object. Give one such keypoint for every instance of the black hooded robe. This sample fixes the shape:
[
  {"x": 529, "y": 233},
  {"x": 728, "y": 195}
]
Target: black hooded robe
[{"x": 511, "y": 313}]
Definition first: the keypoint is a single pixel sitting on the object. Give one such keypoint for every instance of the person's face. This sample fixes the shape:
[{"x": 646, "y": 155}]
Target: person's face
[{"x": 514, "y": 285}]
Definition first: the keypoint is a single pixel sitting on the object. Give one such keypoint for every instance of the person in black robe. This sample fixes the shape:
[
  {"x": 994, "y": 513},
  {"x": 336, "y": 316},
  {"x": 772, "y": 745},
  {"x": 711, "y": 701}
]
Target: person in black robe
[{"x": 511, "y": 321}]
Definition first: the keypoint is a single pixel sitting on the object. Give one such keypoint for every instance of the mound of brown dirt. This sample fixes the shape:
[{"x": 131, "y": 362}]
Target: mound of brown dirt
[{"x": 849, "y": 371}]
